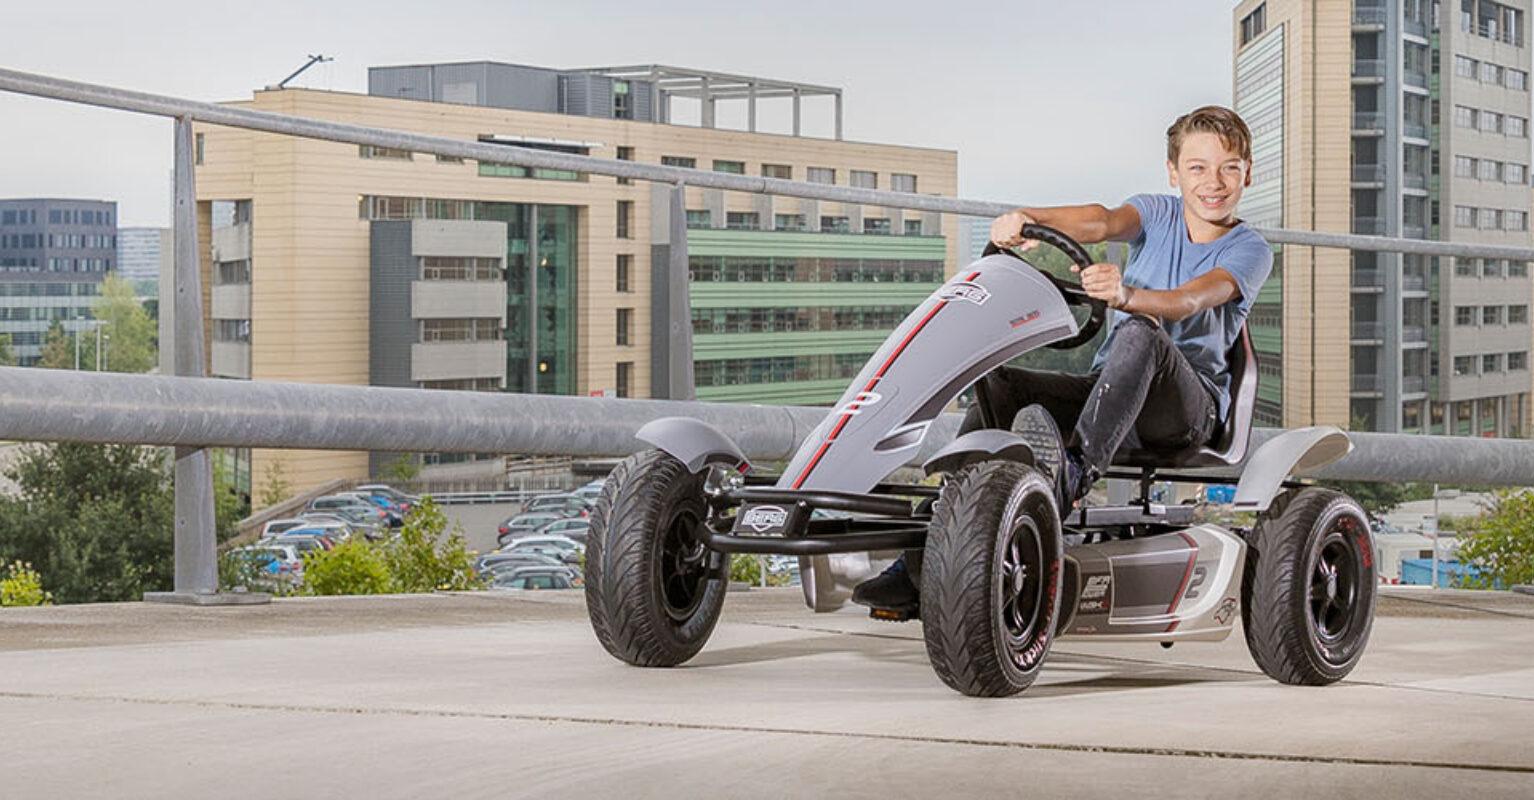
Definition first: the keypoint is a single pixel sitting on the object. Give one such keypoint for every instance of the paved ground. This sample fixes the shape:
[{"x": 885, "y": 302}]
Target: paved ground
[
  {"x": 508, "y": 695},
  {"x": 479, "y": 522}
]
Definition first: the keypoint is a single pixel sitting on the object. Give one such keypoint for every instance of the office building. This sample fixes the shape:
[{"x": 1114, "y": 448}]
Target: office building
[{"x": 54, "y": 254}]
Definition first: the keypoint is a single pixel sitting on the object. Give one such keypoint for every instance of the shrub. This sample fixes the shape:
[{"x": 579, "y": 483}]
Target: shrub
[
  {"x": 419, "y": 558},
  {"x": 22, "y": 586},
  {"x": 1501, "y": 543},
  {"x": 354, "y": 567}
]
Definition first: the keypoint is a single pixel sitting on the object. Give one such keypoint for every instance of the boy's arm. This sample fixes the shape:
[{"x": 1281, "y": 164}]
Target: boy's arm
[
  {"x": 1087, "y": 224},
  {"x": 1213, "y": 288}
]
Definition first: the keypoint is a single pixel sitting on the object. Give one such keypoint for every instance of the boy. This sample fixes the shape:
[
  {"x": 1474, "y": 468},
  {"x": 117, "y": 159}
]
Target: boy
[{"x": 1160, "y": 380}]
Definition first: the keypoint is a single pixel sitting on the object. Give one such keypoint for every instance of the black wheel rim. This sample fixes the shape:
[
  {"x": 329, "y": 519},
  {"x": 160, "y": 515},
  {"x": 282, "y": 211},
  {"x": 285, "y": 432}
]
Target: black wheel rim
[
  {"x": 683, "y": 566},
  {"x": 1333, "y": 594},
  {"x": 1022, "y": 583}
]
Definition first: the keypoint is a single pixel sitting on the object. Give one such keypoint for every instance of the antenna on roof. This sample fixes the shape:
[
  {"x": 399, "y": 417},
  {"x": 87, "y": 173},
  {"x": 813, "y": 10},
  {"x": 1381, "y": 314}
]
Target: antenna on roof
[{"x": 313, "y": 59}]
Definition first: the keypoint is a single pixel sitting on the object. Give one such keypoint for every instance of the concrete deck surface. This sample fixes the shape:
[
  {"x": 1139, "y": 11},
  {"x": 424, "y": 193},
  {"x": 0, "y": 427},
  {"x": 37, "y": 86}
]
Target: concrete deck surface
[{"x": 509, "y": 695}]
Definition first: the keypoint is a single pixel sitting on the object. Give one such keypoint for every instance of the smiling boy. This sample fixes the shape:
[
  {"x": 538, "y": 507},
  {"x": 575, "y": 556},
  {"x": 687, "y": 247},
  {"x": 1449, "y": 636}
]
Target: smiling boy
[{"x": 1160, "y": 380}]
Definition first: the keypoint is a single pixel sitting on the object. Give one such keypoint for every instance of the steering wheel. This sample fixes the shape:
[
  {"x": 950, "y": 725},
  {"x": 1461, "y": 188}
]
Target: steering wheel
[{"x": 1072, "y": 292}]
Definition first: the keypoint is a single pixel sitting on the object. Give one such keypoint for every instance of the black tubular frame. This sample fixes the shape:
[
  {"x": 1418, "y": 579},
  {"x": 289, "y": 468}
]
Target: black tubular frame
[{"x": 892, "y": 525}]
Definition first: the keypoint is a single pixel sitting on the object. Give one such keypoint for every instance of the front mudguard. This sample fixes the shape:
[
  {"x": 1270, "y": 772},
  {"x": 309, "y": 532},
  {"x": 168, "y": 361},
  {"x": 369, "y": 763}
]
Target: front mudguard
[
  {"x": 1299, "y": 450},
  {"x": 693, "y": 442}
]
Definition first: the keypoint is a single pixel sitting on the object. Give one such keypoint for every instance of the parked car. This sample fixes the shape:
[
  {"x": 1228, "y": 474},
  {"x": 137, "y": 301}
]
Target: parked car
[
  {"x": 305, "y": 540},
  {"x": 537, "y": 578},
  {"x": 570, "y": 528},
  {"x": 354, "y": 505},
  {"x": 524, "y": 524},
  {"x": 276, "y": 526},
  {"x": 562, "y": 547},
  {"x": 274, "y": 564},
  {"x": 407, "y": 501},
  {"x": 494, "y": 563},
  {"x": 364, "y": 520},
  {"x": 336, "y": 530},
  {"x": 590, "y": 491},
  {"x": 566, "y": 505}
]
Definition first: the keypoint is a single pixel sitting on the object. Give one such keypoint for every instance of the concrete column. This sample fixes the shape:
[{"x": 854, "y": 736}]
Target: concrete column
[
  {"x": 679, "y": 303},
  {"x": 532, "y": 299},
  {"x": 196, "y": 545},
  {"x": 838, "y": 116},
  {"x": 751, "y": 108},
  {"x": 707, "y": 100},
  {"x": 797, "y": 98}
]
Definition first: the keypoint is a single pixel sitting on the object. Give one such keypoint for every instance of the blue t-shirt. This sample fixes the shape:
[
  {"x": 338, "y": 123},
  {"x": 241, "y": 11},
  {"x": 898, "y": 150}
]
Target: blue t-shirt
[{"x": 1163, "y": 257}]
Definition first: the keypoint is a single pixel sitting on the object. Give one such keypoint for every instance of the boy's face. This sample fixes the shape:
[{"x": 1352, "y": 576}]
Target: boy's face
[{"x": 1209, "y": 176}]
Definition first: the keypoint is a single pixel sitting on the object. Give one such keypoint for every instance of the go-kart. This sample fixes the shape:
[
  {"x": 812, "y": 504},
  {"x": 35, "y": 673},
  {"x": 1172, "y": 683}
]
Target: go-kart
[{"x": 1005, "y": 569}]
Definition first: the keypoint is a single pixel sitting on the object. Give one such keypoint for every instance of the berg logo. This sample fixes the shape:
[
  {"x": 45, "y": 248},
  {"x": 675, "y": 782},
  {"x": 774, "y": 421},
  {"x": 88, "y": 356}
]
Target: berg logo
[
  {"x": 764, "y": 518},
  {"x": 967, "y": 291},
  {"x": 1025, "y": 319}
]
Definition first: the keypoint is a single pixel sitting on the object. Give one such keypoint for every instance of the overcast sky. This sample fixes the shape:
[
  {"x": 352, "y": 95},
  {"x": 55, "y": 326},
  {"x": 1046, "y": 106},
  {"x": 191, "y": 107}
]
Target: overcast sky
[{"x": 1046, "y": 101}]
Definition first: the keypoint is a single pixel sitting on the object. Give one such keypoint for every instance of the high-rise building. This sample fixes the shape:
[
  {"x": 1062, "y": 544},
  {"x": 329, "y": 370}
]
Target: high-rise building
[
  {"x": 53, "y": 257},
  {"x": 339, "y": 264},
  {"x": 1403, "y": 118},
  {"x": 143, "y": 253}
]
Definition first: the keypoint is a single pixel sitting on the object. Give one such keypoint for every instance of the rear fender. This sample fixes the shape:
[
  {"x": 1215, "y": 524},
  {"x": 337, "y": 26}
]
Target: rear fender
[
  {"x": 982, "y": 445},
  {"x": 1299, "y": 450},
  {"x": 693, "y": 442}
]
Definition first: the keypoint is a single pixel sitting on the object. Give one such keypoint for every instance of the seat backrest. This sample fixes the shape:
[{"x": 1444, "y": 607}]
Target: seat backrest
[{"x": 1229, "y": 446}]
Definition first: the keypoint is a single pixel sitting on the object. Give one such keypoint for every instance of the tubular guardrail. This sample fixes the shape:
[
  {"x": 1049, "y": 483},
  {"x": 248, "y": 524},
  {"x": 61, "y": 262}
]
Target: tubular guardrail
[{"x": 193, "y": 413}]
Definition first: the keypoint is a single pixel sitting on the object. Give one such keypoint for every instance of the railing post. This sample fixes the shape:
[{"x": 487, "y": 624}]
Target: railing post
[
  {"x": 196, "y": 543},
  {"x": 671, "y": 375}
]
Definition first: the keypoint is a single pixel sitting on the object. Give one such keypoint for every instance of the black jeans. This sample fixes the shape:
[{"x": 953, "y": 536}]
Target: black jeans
[{"x": 1146, "y": 396}]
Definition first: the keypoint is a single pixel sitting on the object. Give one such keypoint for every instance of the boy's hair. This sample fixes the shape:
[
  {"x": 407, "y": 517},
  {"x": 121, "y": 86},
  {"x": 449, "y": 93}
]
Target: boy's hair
[{"x": 1217, "y": 120}]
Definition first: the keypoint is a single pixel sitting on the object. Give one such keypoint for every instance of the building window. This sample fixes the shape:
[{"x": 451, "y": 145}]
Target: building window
[
  {"x": 441, "y": 159},
  {"x": 460, "y": 330},
  {"x": 1464, "y": 167},
  {"x": 1464, "y": 117},
  {"x": 231, "y": 330},
  {"x": 863, "y": 179},
  {"x": 1464, "y": 217},
  {"x": 371, "y": 151},
  {"x": 198, "y": 141},
  {"x": 1517, "y": 362},
  {"x": 1253, "y": 24},
  {"x": 1517, "y": 79},
  {"x": 789, "y": 222},
  {"x": 1490, "y": 73},
  {"x": 679, "y": 161},
  {"x": 1464, "y": 315},
  {"x": 1518, "y": 315},
  {"x": 1491, "y": 362},
  {"x": 460, "y": 268},
  {"x": 913, "y": 227},
  {"x": 731, "y": 167},
  {"x": 876, "y": 225},
  {"x": 903, "y": 183},
  {"x": 625, "y": 327},
  {"x": 1488, "y": 219},
  {"x": 1464, "y": 365},
  {"x": 1514, "y": 173},
  {"x": 1515, "y": 220},
  {"x": 625, "y": 153},
  {"x": 779, "y": 171},
  {"x": 820, "y": 175},
  {"x": 1488, "y": 121},
  {"x": 623, "y": 106},
  {"x": 621, "y": 272},
  {"x": 1491, "y": 268},
  {"x": 625, "y": 219},
  {"x": 1517, "y": 269},
  {"x": 1465, "y": 67},
  {"x": 699, "y": 218},
  {"x": 1491, "y": 315},
  {"x": 625, "y": 378},
  {"x": 835, "y": 225},
  {"x": 1517, "y": 127},
  {"x": 742, "y": 221},
  {"x": 227, "y": 273},
  {"x": 489, "y": 170},
  {"x": 1488, "y": 170}
]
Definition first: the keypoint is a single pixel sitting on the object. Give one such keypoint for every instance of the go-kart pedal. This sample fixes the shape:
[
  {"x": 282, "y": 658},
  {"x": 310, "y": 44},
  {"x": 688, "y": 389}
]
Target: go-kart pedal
[
  {"x": 903, "y": 614},
  {"x": 890, "y": 595}
]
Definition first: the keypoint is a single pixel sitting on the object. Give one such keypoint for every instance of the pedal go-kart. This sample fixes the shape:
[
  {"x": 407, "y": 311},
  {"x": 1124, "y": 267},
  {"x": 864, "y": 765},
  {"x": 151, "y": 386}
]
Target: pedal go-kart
[{"x": 1005, "y": 570}]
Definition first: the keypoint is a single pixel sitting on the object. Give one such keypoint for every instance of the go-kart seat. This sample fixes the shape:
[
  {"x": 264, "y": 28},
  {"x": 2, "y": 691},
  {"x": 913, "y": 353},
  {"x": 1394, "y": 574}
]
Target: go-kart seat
[{"x": 1228, "y": 445}]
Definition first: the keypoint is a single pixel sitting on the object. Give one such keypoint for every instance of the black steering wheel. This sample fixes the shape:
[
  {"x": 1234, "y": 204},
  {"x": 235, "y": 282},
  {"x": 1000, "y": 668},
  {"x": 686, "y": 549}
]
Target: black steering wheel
[{"x": 1072, "y": 292}]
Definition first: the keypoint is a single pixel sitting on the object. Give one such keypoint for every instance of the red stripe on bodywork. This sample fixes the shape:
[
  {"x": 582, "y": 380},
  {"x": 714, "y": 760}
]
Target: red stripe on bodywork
[
  {"x": 1187, "y": 575},
  {"x": 872, "y": 382}
]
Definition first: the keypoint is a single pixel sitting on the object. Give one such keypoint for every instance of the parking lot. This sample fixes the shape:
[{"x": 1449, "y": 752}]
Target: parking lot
[{"x": 508, "y": 695}]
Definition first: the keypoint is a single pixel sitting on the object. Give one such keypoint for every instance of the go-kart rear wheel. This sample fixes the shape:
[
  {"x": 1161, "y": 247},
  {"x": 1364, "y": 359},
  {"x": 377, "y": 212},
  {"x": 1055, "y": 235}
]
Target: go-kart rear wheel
[
  {"x": 990, "y": 585},
  {"x": 1309, "y": 587},
  {"x": 653, "y": 592}
]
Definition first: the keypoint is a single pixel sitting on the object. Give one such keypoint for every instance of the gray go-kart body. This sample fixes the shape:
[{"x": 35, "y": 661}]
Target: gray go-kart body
[{"x": 1182, "y": 584}]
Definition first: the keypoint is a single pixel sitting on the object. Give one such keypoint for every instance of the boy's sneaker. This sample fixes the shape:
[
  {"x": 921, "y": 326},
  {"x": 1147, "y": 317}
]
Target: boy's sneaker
[
  {"x": 1038, "y": 429},
  {"x": 890, "y": 595}
]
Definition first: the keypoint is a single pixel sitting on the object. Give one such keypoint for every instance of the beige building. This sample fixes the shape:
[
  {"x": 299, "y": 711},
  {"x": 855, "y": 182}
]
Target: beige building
[
  {"x": 1403, "y": 118},
  {"x": 338, "y": 264}
]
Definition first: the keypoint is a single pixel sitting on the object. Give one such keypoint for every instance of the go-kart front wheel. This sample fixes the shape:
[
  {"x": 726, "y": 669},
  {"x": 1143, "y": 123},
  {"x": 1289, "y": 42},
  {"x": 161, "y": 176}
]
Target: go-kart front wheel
[
  {"x": 991, "y": 579},
  {"x": 1309, "y": 589},
  {"x": 653, "y": 592}
]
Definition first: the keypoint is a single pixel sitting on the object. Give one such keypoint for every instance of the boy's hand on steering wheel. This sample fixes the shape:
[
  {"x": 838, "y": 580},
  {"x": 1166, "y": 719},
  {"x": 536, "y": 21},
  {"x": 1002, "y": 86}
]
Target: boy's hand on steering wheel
[
  {"x": 1104, "y": 282},
  {"x": 1007, "y": 231}
]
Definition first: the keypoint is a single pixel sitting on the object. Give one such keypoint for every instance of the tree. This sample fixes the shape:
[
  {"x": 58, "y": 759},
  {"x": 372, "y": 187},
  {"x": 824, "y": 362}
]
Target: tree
[
  {"x": 7, "y": 355},
  {"x": 95, "y": 521},
  {"x": 1501, "y": 543},
  {"x": 58, "y": 348},
  {"x": 274, "y": 483},
  {"x": 402, "y": 470},
  {"x": 128, "y": 333}
]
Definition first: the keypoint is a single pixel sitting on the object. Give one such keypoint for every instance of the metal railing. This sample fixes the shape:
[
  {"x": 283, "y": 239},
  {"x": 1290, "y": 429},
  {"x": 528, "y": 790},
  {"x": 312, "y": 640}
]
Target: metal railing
[
  {"x": 1368, "y": 68},
  {"x": 1368, "y": 173},
  {"x": 1369, "y": 15},
  {"x": 191, "y": 413},
  {"x": 1368, "y": 331},
  {"x": 1368, "y": 121}
]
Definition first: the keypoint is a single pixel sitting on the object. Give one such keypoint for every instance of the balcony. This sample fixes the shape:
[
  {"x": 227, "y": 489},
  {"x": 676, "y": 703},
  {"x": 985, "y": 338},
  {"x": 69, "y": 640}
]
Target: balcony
[
  {"x": 439, "y": 361},
  {"x": 1414, "y": 231},
  {"x": 1413, "y": 283},
  {"x": 1413, "y": 384},
  {"x": 1370, "y": 121},
  {"x": 1366, "y": 383},
  {"x": 1368, "y": 279},
  {"x": 1414, "y": 78},
  {"x": 1413, "y": 333},
  {"x": 1369, "y": 173},
  {"x": 1414, "y": 130},
  {"x": 1369, "y": 68},
  {"x": 1369, "y": 226},
  {"x": 1414, "y": 180},
  {"x": 1414, "y": 27},
  {"x": 1368, "y": 331},
  {"x": 1369, "y": 17}
]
